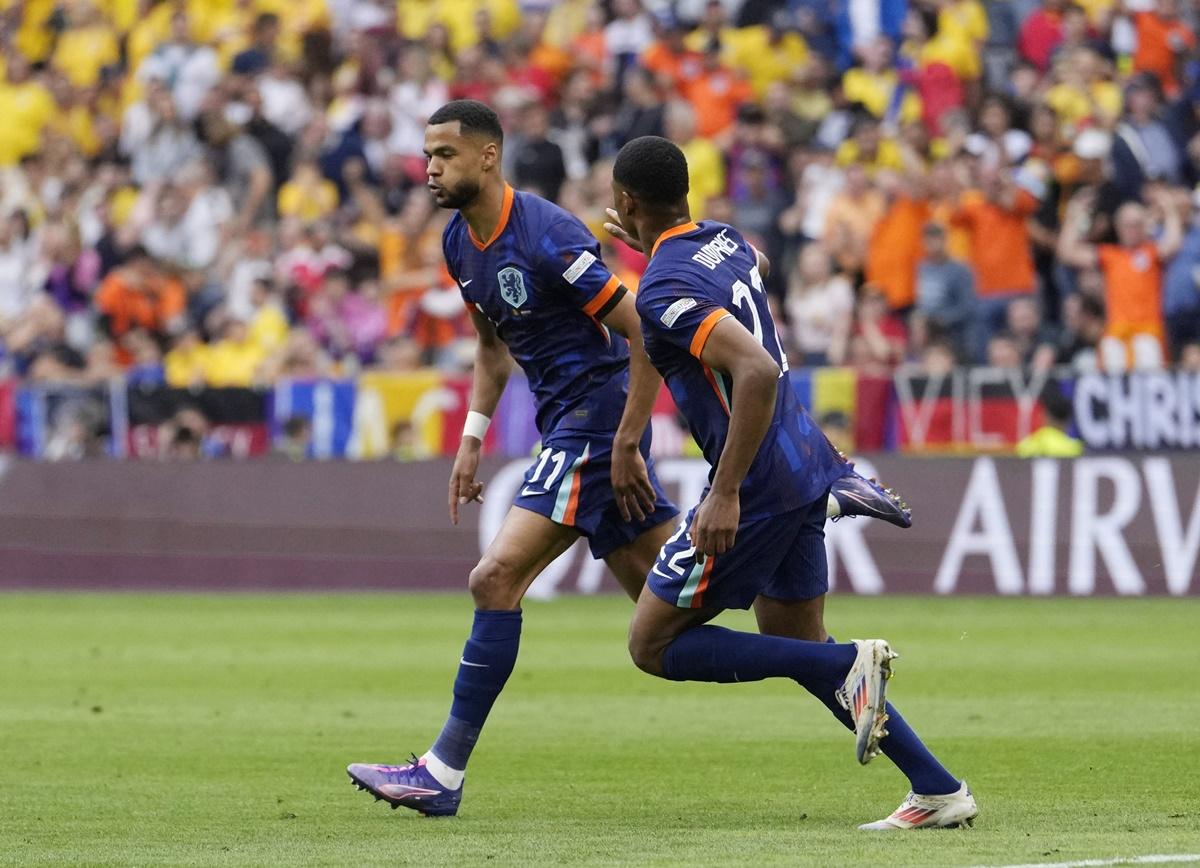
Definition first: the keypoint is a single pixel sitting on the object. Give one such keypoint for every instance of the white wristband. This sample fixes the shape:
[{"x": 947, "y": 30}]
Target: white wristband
[{"x": 476, "y": 425}]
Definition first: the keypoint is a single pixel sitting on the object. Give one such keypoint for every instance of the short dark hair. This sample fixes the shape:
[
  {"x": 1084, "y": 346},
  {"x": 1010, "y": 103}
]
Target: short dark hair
[
  {"x": 135, "y": 253},
  {"x": 653, "y": 169},
  {"x": 476, "y": 119},
  {"x": 1056, "y": 405}
]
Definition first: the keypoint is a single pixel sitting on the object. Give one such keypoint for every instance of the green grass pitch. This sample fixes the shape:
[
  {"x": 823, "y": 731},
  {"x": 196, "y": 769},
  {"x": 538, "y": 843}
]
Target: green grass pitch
[{"x": 197, "y": 730}]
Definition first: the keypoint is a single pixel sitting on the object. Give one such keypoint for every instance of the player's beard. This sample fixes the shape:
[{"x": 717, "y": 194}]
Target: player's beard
[{"x": 460, "y": 196}]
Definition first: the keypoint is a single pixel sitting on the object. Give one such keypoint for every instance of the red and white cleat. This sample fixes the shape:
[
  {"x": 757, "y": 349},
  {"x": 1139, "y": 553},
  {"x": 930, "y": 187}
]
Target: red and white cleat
[
  {"x": 862, "y": 694},
  {"x": 951, "y": 811}
]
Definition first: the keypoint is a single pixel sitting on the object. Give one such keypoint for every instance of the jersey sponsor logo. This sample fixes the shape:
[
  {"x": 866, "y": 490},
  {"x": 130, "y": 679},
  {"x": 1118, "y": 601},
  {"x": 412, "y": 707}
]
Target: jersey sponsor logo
[
  {"x": 716, "y": 251},
  {"x": 676, "y": 310},
  {"x": 578, "y": 267},
  {"x": 512, "y": 286}
]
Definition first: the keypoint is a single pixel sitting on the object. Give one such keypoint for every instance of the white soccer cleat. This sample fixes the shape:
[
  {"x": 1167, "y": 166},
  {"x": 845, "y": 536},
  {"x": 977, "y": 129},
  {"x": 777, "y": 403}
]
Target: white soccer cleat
[
  {"x": 952, "y": 811},
  {"x": 862, "y": 694}
]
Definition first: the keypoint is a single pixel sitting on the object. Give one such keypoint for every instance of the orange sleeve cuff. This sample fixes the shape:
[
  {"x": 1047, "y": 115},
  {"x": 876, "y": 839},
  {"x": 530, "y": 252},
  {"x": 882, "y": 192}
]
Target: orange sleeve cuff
[
  {"x": 700, "y": 338},
  {"x": 602, "y": 297}
]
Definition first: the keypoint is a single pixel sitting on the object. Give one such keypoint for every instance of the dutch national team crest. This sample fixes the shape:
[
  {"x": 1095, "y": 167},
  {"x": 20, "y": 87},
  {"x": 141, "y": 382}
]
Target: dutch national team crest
[{"x": 512, "y": 286}]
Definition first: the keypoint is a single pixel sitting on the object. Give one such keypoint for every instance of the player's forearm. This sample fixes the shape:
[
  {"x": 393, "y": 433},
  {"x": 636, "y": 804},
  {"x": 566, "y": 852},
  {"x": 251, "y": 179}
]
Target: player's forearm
[
  {"x": 644, "y": 385},
  {"x": 755, "y": 390},
  {"x": 493, "y": 365}
]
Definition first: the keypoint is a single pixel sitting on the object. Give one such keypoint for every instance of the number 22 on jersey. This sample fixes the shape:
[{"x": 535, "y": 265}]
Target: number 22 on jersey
[{"x": 743, "y": 298}]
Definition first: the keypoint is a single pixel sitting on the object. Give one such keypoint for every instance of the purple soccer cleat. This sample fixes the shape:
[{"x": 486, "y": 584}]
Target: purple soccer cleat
[
  {"x": 409, "y": 786},
  {"x": 856, "y": 495}
]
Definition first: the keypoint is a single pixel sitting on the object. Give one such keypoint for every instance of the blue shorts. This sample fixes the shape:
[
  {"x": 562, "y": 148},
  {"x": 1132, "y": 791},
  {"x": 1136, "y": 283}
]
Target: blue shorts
[
  {"x": 570, "y": 483},
  {"x": 782, "y": 557}
]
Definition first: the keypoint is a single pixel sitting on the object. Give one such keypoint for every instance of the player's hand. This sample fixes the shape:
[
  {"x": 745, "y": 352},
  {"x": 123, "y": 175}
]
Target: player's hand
[
  {"x": 614, "y": 228},
  {"x": 715, "y": 524},
  {"x": 631, "y": 482},
  {"x": 463, "y": 487}
]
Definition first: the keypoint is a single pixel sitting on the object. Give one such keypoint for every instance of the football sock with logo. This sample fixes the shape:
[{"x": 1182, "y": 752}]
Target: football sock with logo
[
  {"x": 925, "y": 774},
  {"x": 487, "y": 661},
  {"x": 711, "y": 653}
]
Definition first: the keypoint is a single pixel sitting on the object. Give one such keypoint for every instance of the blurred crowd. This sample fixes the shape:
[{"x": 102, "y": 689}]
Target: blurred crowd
[{"x": 227, "y": 192}]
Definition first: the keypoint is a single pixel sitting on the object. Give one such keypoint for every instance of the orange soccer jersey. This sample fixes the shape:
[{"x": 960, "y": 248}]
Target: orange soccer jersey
[
  {"x": 1001, "y": 255},
  {"x": 1133, "y": 289}
]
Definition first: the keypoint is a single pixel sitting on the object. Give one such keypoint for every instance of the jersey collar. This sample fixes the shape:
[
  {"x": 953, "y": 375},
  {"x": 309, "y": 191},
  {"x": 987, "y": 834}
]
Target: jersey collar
[
  {"x": 682, "y": 229},
  {"x": 505, "y": 211}
]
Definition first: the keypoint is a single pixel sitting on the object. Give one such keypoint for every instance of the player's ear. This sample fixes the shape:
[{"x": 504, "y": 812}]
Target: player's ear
[{"x": 490, "y": 156}]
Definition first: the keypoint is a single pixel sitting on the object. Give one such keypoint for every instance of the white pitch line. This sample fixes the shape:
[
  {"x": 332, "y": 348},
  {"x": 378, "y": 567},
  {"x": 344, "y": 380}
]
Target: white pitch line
[{"x": 1155, "y": 859}]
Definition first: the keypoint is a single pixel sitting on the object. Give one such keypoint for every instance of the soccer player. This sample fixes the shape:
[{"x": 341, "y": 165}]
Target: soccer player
[
  {"x": 756, "y": 537},
  {"x": 538, "y": 293}
]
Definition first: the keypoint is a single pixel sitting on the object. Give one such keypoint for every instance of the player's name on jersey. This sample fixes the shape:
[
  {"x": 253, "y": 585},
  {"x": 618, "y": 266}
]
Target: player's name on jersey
[{"x": 716, "y": 251}]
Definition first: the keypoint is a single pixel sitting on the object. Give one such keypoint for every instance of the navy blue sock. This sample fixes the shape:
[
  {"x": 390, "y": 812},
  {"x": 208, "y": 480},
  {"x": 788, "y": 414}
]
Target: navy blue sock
[
  {"x": 711, "y": 653},
  {"x": 487, "y": 661},
  {"x": 925, "y": 774}
]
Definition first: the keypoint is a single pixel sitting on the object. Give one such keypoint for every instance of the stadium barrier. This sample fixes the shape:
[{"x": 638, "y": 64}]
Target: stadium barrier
[
  {"x": 1116, "y": 524},
  {"x": 977, "y": 410}
]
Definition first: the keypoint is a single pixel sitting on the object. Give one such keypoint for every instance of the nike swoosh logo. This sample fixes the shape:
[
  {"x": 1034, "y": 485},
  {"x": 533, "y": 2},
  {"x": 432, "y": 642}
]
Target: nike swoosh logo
[
  {"x": 467, "y": 283},
  {"x": 466, "y": 662},
  {"x": 854, "y": 496},
  {"x": 655, "y": 569}
]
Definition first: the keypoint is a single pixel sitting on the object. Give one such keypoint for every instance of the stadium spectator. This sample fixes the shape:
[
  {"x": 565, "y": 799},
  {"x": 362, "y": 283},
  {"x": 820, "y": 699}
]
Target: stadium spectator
[
  {"x": 850, "y": 219},
  {"x": 235, "y": 359},
  {"x": 1003, "y": 352},
  {"x": 1181, "y": 288},
  {"x": 1084, "y": 96},
  {"x": 141, "y": 295},
  {"x": 1133, "y": 274},
  {"x": 1189, "y": 357},
  {"x": 820, "y": 310},
  {"x": 706, "y": 169},
  {"x": 1053, "y": 438},
  {"x": 1163, "y": 41},
  {"x": 994, "y": 215},
  {"x": 1042, "y": 33},
  {"x": 538, "y": 164},
  {"x": 878, "y": 340},
  {"x": 296, "y": 442},
  {"x": 346, "y": 320},
  {"x": 715, "y": 94},
  {"x": 1143, "y": 149},
  {"x": 261, "y": 52},
  {"x": 1082, "y": 330},
  {"x": 308, "y": 196},
  {"x": 187, "y": 69},
  {"x": 157, "y": 139},
  {"x": 244, "y": 170},
  {"x": 629, "y": 33},
  {"x": 27, "y": 106},
  {"x": 875, "y": 84},
  {"x": 1031, "y": 339},
  {"x": 642, "y": 113},
  {"x": 945, "y": 290},
  {"x": 894, "y": 246}
]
